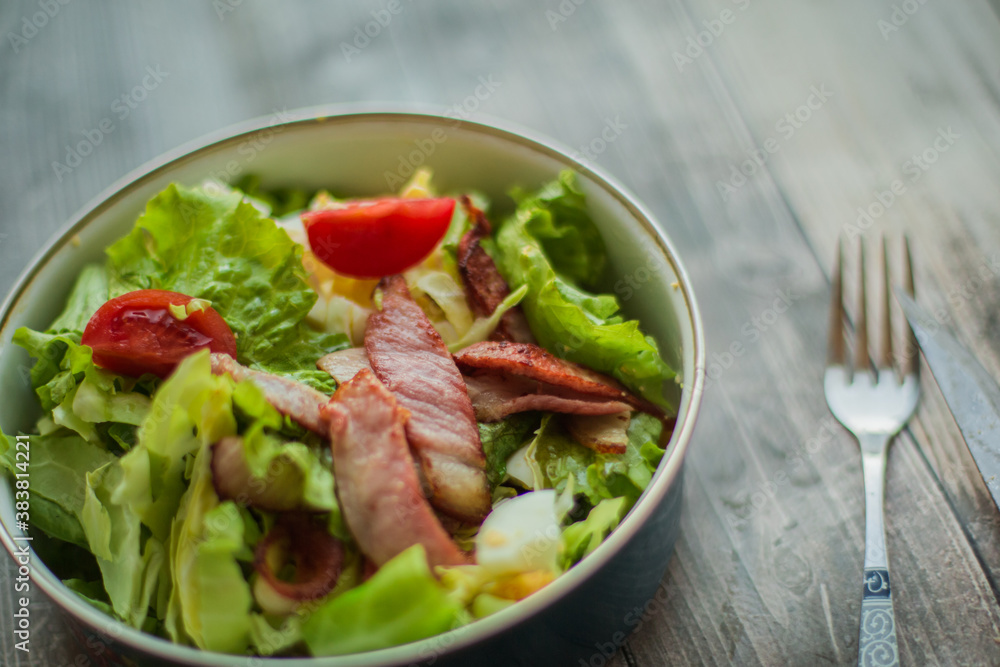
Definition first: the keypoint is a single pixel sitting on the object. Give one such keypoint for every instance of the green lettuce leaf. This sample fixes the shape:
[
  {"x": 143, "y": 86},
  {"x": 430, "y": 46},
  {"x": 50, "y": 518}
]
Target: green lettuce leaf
[
  {"x": 503, "y": 438},
  {"x": 210, "y": 600},
  {"x": 60, "y": 361},
  {"x": 92, "y": 592},
  {"x": 89, "y": 293},
  {"x": 567, "y": 320},
  {"x": 78, "y": 393},
  {"x": 212, "y": 245},
  {"x": 556, "y": 458},
  {"x": 267, "y": 639},
  {"x": 191, "y": 410},
  {"x": 291, "y": 469},
  {"x": 401, "y": 603},
  {"x": 114, "y": 535},
  {"x": 560, "y": 222},
  {"x": 58, "y": 468},
  {"x": 582, "y": 537},
  {"x": 281, "y": 201}
]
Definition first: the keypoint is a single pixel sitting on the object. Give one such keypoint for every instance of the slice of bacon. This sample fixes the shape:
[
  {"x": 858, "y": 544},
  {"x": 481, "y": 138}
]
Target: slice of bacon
[
  {"x": 496, "y": 396},
  {"x": 233, "y": 480},
  {"x": 318, "y": 558},
  {"x": 485, "y": 288},
  {"x": 344, "y": 364},
  {"x": 376, "y": 479},
  {"x": 289, "y": 397},
  {"x": 412, "y": 361},
  {"x": 605, "y": 434},
  {"x": 553, "y": 376}
]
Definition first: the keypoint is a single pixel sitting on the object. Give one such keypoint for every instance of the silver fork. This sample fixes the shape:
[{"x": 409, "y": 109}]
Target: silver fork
[{"x": 873, "y": 406}]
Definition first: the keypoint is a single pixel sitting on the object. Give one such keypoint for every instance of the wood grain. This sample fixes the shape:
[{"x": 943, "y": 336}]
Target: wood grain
[{"x": 768, "y": 567}]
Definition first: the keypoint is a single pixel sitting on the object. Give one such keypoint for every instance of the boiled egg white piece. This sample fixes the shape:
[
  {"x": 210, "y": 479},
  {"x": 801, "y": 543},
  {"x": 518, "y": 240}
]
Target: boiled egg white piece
[{"x": 521, "y": 534}]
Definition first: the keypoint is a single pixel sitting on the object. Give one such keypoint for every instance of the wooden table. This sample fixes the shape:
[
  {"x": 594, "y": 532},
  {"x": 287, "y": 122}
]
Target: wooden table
[{"x": 823, "y": 106}]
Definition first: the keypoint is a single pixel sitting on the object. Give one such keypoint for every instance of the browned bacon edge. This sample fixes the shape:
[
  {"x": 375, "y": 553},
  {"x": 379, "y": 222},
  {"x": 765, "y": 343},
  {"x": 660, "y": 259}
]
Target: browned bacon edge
[
  {"x": 299, "y": 401},
  {"x": 376, "y": 479},
  {"x": 485, "y": 288},
  {"x": 410, "y": 359},
  {"x": 532, "y": 362},
  {"x": 496, "y": 396}
]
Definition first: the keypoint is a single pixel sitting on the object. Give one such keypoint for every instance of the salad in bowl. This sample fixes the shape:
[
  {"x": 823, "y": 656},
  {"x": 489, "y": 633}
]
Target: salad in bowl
[{"x": 294, "y": 424}]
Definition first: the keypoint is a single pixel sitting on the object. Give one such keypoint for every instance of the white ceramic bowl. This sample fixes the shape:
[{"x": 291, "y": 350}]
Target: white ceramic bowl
[{"x": 582, "y": 615}]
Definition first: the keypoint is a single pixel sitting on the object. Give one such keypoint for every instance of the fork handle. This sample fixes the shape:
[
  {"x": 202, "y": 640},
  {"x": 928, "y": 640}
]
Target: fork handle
[{"x": 877, "y": 642}]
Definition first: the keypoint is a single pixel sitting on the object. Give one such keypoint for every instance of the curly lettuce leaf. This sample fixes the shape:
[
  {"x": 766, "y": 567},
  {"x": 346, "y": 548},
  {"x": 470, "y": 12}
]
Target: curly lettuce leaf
[
  {"x": 401, "y": 603},
  {"x": 89, "y": 293},
  {"x": 80, "y": 395},
  {"x": 556, "y": 460},
  {"x": 567, "y": 320},
  {"x": 210, "y": 244},
  {"x": 582, "y": 537},
  {"x": 60, "y": 361},
  {"x": 560, "y": 222},
  {"x": 503, "y": 438}
]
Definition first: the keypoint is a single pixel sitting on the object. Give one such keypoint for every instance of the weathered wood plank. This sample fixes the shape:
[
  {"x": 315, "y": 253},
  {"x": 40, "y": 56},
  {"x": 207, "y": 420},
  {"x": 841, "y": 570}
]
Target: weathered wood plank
[
  {"x": 801, "y": 399},
  {"x": 896, "y": 93}
]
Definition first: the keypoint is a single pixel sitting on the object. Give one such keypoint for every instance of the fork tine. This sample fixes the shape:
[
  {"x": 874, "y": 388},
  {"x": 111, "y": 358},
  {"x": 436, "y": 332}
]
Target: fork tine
[
  {"x": 861, "y": 362},
  {"x": 835, "y": 338},
  {"x": 910, "y": 365},
  {"x": 884, "y": 352}
]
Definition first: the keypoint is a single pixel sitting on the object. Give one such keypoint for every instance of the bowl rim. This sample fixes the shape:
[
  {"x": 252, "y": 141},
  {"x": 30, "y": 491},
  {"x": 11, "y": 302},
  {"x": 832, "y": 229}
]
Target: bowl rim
[{"x": 304, "y": 118}]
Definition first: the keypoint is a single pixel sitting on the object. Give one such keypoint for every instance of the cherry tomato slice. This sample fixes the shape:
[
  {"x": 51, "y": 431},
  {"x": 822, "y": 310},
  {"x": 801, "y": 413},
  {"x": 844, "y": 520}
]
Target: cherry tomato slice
[
  {"x": 137, "y": 333},
  {"x": 377, "y": 237}
]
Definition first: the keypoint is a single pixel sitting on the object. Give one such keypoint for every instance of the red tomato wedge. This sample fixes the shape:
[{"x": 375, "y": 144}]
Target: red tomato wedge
[
  {"x": 138, "y": 333},
  {"x": 377, "y": 237}
]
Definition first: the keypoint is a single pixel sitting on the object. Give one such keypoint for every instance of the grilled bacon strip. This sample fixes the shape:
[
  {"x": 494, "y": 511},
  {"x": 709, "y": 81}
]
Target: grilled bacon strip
[
  {"x": 606, "y": 434},
  {"x": 496, "y": 396},
  {"x": 410, "y": 359},
  {"x": 377, "y": 481},
  {"x": 553, "y": 376},
  {"x": 317, "y": 555},
  {"x": 233, "y": 480},
  {"x": 344, "y": 364},
  {"x": 485, "y": 288},
  {"x": 299, "y": 401}
]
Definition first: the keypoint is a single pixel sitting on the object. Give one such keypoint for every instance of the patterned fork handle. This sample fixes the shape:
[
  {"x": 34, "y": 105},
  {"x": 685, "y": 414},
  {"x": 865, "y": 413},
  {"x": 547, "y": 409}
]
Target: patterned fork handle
[{"x": 877, "y": 642}]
